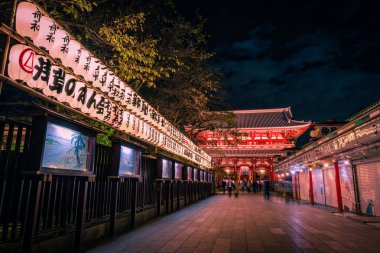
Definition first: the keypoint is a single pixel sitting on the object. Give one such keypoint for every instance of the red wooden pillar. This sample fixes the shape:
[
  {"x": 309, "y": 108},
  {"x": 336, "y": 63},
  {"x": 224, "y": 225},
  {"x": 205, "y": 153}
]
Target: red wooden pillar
[
  {"x": 311, "y": 186},
  {"x": 295, "y": 186},
  {"x": 338, "y": 190}
]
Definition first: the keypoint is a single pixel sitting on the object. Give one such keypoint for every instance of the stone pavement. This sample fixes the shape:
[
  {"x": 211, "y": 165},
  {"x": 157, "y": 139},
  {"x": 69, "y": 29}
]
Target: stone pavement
[{"x": 248, "y": 224}]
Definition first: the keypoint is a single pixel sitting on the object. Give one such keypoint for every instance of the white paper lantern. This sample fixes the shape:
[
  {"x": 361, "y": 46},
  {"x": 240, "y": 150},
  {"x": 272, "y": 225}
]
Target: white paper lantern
[
  {"x": 93, "y": 72},
  {"x": 21, "y": 63},
  {"x": 79, "y": 87},
  {"x": 69, "y": 89},
  {"x": 115, "y": 90},
  {"x": 102, "y": 80},
  {"x": 41, "y": 72},
  {"x": 28, "y": 18},
  {"x": 109, "y": 83},
  {"x": 122, "y": 93},
  {"x": 127, "y": 102},
  {"x": 131, "y": 123},
  {"x": 46, "y": 35},
  {"x": 49, "y": 90},
  {"x": 124, "y": 125},
  {"x": 60, "y": 48},
  {"x": 118, "y": 117},
  {"x": 94, "y": 111},
  {"x": 89, "y": 106},
  {"x": 108, "y": 112},
  {"x": 73, "y": 55},
  {"x": 84, "y": 64}
]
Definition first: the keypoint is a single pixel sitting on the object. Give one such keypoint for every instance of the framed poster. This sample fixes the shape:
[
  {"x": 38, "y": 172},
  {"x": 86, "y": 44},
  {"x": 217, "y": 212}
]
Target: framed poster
[
  {"x": 67, "y": 148},
  {"x": 178, "y": 171},
  {"x": 130, "y": 160},
  {"x": 166, "y": 169},
  {"x": 190, "y": 173},
  {"x": 201, "y": 176},
  {"x": 196, "y": 174}
]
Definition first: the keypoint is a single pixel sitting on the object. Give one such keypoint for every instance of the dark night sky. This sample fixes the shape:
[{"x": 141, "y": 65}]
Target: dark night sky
[{"x": 319, "y": 57}]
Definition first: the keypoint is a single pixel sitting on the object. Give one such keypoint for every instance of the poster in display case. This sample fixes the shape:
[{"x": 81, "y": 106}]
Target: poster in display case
[
  {"x": 189, "y": 173},
  {"x": 164, "y": 168},
  {"x": 67, "y": 148},
  {"x": 178, "y": 171},
  {"x": 196, "y": 174},
  {"x": 130, "y": 160}
]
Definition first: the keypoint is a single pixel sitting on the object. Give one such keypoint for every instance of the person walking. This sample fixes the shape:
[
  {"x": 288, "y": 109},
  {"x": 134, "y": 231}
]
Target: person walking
[
  {"x": 229, "y": 187},
  {"x": 266, "y": 189},
  {"x": 224, "y": 184}
]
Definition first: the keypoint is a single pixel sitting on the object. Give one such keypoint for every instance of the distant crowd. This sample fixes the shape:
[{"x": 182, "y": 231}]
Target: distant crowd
[{"x": 255, "y": 186}]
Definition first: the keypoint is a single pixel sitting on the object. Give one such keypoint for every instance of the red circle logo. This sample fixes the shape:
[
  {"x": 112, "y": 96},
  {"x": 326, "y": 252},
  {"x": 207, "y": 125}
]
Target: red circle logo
[{"x": 26, "y": 60}]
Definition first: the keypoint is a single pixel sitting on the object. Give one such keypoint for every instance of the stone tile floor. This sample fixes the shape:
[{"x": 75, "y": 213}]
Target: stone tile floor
[{"x": 248, "y": 224}]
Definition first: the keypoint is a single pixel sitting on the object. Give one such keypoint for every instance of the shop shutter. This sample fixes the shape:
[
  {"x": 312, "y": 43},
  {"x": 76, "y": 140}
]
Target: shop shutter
[
  {"x": 304, "y": 185},
  {"x": 318, "y": 187},
  {"x": 347, "y": 187},
  {"x": 369, "y": 187},
  {"x": 330, "y": 187}
]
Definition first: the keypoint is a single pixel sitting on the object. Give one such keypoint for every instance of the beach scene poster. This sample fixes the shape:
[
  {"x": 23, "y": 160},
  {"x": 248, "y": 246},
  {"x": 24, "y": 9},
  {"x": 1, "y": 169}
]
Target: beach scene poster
[
  {"x": 128, "y": 163},
  {"x": 65, "y": 149}
]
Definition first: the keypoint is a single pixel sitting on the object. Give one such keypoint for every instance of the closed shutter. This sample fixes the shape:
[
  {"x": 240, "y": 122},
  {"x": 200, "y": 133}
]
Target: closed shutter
[
  {"x": 347, "y": 187},
  {"x": 304, "y": 186},
  {"x": 330, "y": 187},
  {"x": 318, "y": 187},
  {"x": 369, "y": 187}
]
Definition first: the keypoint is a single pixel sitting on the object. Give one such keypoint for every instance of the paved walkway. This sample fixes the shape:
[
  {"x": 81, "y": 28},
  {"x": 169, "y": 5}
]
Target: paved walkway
[{"x": 248, "y": 224}]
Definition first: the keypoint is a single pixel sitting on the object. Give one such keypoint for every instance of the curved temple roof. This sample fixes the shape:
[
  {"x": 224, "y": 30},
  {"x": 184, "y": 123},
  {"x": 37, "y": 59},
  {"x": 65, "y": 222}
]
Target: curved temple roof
[{"x": 267, "y": 118}]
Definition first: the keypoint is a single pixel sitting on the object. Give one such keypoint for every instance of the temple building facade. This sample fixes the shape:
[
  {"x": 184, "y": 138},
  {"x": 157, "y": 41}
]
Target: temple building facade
[{"x": 259, "y": 138}]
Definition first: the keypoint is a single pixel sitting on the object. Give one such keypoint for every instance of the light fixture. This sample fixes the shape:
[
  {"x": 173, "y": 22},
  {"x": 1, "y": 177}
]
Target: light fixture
[
  {"x": 326, "y": 165},
  {"x": 346, "y": 162}
]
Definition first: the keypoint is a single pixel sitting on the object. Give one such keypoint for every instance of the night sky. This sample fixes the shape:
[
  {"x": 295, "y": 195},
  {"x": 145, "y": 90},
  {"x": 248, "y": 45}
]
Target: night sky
[{"x": 321, "y": 58}]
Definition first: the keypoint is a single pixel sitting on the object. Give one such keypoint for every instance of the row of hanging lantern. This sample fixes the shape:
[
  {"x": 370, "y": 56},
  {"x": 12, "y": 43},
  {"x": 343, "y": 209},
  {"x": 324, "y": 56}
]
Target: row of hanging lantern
[{"x": 101, "y": 84}]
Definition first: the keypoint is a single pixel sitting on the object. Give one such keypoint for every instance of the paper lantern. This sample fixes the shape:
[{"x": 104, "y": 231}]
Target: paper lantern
[
  {"x": 131, "y": 123},
  {"x": 99, "y": 110},
  {"x": 89, "y": 106},
  {"x": 21, "y": 63},
  {"x": 124, "y": 125},
  {"x": 69, "y": 89},
  {"x": 84, "y": 64},
  {"x": 142, "y": 130},
  {"x": 94, "y": 111},
  {"x": 60, "y": 48},
  {"x": 73, "y": 55},
  {"x": 79, "y": 89},
  {"x": 28, "y": 18},
  {"x": 122, "y": 93},
  {"x": 41, "y": 72},
  {"x": 93, "y": 72},
  {"x": 135, "y": 126},
  {"x": 52, "y": 88},
  {"x": 109, "y": 83},
  {"x": 46, "y": 35},
  {"x": 109, "y": 113},
  {"x": 127, "y": 101},
  {"x": 118, "y": 117},
  {"x": 115, "y": 89},
  {"x": 101, "y": 81}
]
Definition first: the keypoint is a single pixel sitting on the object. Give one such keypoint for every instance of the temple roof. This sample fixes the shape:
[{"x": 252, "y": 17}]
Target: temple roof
[
  {"x": 244, "y": 153},
  {"x": 264, "y": 118}
]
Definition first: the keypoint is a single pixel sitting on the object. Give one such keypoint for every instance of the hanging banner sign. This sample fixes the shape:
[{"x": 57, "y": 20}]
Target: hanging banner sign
[{"x": 78, "y": 79}]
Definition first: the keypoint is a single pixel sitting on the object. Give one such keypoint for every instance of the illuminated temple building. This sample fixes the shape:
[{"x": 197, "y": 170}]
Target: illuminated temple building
[{"x": 261, "y": 136}]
